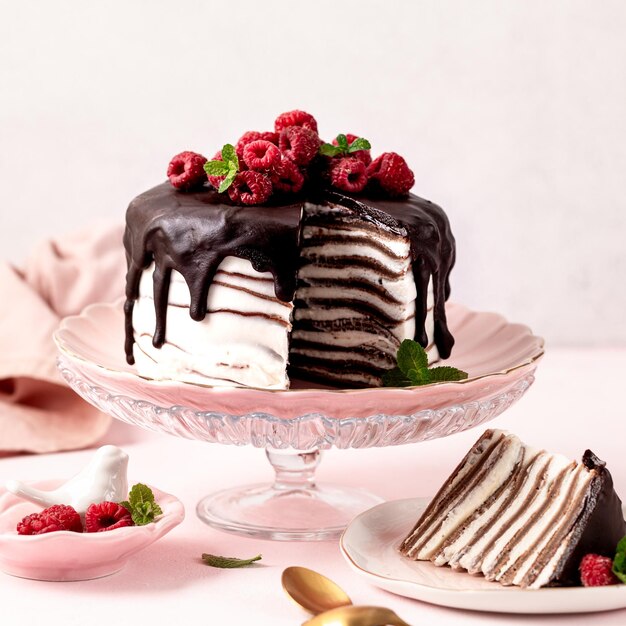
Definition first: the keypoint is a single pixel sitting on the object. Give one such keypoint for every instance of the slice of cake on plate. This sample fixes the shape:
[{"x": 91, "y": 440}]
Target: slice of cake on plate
[{"x": 519, "y": 515}]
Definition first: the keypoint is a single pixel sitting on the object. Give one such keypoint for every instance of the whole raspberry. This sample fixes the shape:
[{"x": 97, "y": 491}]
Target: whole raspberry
[
  {"x": 348, "y": 174},
  {"x": 362, "y": 155},
  {"x": 186, "y": 170},
  {"x": 299, "y": 144},
  {"x": 597, "y": 571},
  {"x": 287, "y": 177},
  {"x": 261, "y": 155},
  {"x": 54, "y": 518},
  {"x": 295, "y": 118},
  {"x": 250, "y": 188},
  {"x": 253, "y": 135},
  {"x": 106, "y": 516},
  {"x": 270, "y": 136},
  {"x": 391, "y": 172}
]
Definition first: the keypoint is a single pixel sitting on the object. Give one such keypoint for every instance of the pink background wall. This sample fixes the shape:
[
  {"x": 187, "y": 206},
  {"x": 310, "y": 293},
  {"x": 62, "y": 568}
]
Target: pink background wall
[{"x": 512, "y": 115}]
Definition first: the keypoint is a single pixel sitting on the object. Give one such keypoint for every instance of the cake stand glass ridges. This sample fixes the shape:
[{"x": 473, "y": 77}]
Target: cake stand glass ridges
[
  {"x": 293, "y": 426},
  {"x": 294, "y": 507}
]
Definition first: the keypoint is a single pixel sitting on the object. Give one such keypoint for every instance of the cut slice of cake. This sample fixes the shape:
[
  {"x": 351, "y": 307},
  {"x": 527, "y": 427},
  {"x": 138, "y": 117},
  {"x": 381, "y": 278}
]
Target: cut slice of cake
[
  {"x": 519, "y": 515},
  {"x": 355, "y": 300}
]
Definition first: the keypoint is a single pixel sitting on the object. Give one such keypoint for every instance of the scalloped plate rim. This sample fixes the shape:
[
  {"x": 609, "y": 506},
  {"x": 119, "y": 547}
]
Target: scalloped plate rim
[{"x": 539, "y": 351}]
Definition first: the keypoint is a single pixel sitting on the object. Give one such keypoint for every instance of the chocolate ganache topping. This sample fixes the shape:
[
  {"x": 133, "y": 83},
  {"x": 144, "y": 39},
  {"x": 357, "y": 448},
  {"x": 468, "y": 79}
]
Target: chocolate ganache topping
[
  {"x": 194, "y": 232},
  {"x": 599, "y": 527}
]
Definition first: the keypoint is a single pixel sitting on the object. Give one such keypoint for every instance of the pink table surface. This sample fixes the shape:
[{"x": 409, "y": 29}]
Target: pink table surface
[{"x": 575, "y": 403}]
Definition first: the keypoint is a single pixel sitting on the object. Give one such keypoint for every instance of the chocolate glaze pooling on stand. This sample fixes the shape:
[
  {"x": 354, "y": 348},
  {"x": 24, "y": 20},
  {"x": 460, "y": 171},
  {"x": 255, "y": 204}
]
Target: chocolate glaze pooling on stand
[{"x": 194, "y": 232}]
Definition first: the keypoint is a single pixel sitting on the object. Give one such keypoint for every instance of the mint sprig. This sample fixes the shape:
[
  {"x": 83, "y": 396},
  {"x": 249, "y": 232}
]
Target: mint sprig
[
  {"x": 228, "y": 562},
  {"x": 141, "y": 504},
  {"x": 227, "y": 167},
  {"x": 619, "y": 562},
  {"x": 413, "y": 370},
  {"x": 343, "y": 148}
]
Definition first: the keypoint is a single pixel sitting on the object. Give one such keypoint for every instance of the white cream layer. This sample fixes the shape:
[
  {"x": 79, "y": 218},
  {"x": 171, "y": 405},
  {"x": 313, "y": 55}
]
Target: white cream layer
[{"x": 243, "y": 340}]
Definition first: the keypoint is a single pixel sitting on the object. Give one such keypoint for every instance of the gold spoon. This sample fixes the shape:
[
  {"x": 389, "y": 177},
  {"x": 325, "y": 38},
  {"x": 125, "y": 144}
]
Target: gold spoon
[
  {"x": 312, "y": 591},
  {"x": 357, "y": 616},
  {"x": 330, "y": 604}
]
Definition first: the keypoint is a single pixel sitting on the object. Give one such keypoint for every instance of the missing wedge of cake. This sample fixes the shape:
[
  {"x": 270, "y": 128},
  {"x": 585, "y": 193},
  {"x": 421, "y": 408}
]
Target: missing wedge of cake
[{"x": 519, "y": 515}]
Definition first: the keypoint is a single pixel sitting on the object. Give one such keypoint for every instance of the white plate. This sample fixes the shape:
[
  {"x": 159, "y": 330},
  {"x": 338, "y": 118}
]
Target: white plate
[{"x": 370, "y": 545}]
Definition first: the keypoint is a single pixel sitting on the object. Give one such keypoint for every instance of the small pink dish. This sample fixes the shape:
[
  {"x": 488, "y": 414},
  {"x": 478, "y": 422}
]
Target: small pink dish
[{"x": 67, "y": 556}]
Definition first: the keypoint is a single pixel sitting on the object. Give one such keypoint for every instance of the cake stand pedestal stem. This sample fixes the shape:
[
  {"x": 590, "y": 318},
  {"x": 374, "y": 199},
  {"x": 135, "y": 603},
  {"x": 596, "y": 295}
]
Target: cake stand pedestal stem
[
  {"x": 293, "y": 508},
  {"x": 294, "y": 469}
]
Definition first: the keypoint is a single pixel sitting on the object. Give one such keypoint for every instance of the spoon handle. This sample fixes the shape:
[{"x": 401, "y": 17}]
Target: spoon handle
[{"x": 357, "y": 616}]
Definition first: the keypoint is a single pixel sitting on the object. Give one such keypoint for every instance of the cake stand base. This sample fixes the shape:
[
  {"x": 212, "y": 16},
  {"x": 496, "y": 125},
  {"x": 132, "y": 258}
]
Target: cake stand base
[{"x": 293, "y": 508}]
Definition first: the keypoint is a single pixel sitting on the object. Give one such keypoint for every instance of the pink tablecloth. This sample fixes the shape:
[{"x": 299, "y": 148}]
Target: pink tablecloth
[
  {"x": 168, "y": 584},
  {"x": 38, "y": 413}
]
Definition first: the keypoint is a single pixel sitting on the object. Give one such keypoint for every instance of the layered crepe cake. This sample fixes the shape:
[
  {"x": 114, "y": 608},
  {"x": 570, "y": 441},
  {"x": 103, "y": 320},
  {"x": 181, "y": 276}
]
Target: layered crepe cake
[
  {"x": 519, "y": 515},
  {"x": 320, "y": 284}
]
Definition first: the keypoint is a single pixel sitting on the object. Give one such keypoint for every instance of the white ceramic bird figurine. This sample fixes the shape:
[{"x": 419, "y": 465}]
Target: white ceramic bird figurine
[{"x": 104, "y": 478}]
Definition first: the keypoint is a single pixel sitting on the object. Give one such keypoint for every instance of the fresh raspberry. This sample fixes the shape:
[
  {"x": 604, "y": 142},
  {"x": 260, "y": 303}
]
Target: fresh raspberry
[
  {"x": 270, "y": 136},
  {"x": 250, "y": 188},
  {"x": 391, "y": 172},
  {"x": 295, "y": 118},
  {"x": 106, "y": 516},
  {"x": 253, "y": 135},
  {"x": 362, "y": 155},
  {"x": 186, "y": 170},
  {"x": 348, "y": 174},
  {"x": 287, "y": 177},
  {"x": 261, "y": 155},
  {"x": 57, "y": 517},
  {"x": 597, "y": 571},
  {"x": 299, "y": 144}
]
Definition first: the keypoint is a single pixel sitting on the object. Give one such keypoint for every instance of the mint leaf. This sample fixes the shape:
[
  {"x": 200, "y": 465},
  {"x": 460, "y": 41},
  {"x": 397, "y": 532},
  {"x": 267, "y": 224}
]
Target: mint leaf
[
  {"x": 342, "y": 142},
  {"x": 228, "y": 181},
  {"x": 413, "y": 370},
  {"x": 327, "y": 149},
  {"x": 411, "y": 356},
  {"x": 142, "y": 505},
  {"x": 343, "y": 148},
  {"x": 229, "y": 155},
  {"x": 216, "y": 168},
  {"x": 418, "y": 377},
  {"x": 396, "y": 378},
  {"x": 359, "y": 144},
  {"x": 229, "y": 167},
  {"x": 228, "y": 562},
  {"x": 139, "y": 494},
  {"x": 440, "y": 374},
  {"x": 619, "y": 562},
  {"x": 145, "y": 513}
]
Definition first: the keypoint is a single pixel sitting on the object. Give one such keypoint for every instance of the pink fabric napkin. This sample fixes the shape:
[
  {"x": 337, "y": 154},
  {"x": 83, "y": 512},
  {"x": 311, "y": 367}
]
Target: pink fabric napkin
[{"x": 38, "y": 412}]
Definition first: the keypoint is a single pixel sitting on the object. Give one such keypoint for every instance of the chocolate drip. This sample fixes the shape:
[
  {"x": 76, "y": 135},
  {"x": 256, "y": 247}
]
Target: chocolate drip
[
  {"x": 193, "y": 233},
  {"x": 599, "y": 526},
  {"x": 432, "y": 251}
]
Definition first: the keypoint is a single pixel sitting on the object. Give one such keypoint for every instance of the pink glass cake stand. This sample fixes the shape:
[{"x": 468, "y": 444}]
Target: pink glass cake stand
[{"x": 295, "y": 424}]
